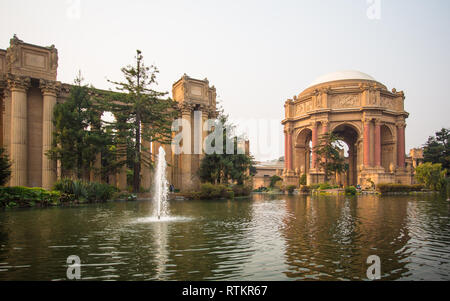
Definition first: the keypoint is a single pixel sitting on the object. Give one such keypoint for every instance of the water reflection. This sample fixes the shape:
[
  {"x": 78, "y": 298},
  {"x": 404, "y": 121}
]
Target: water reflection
[{"x": 264, "y": 238}]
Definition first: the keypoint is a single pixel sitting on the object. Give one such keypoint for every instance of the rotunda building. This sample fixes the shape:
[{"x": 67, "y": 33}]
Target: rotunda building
[{"x": 368, "y": 117}]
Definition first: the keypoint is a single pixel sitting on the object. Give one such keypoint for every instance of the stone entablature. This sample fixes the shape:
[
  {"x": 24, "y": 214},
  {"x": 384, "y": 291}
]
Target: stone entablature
[
  {"x": 194, "y": 92},
  {"x": 29, "y": 60},
  {"x": 370, "y": 118},
  {"x": 345, "y": 95}
]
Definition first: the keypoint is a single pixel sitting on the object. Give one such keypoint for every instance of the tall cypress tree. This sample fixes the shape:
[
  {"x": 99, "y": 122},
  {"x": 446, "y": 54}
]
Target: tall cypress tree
[{"x": 141, "y": 113}]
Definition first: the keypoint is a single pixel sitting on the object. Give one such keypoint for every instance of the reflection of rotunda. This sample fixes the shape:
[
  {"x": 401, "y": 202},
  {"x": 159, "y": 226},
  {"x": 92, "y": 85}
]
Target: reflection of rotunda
[{"x": 369, "y": 118}]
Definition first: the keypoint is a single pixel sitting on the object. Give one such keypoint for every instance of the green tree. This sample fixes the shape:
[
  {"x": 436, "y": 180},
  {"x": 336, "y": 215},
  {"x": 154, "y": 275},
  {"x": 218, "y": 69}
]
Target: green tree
[
  {"x": 329, "y": 157},
  {"x": 141, "y": 113},
  {"x": 431, "y": 175},
  {"x": 78, "y": 137},
  {"x": 274, "y": 180},
  {"x": 223, "y": 168},
  {"x": 5, "y": 167},
  {"x": 437, "y": 149}
]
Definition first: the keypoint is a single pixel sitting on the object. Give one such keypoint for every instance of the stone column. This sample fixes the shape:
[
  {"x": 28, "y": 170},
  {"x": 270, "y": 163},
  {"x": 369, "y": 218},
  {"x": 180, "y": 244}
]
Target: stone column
[
  {"x": 186, "y": 156},
  {"x": 401, "y": 144},
  {"x": 49, "y": 91},
  {"x": 290, "y": 165},
  {"x": 377, "y": 143},
  {"x": 325, "y": 127},
  {"x": 146, "y": 178},
  {"x": 367, "y": 142},
  {"x": 314, "y": 144},
  {"x": 19, "y": 135},
  {"x": 286, "y": 151}
]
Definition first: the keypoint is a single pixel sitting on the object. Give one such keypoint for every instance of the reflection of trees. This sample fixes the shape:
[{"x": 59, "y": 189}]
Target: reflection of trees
[{"x": 332, "y": 237}]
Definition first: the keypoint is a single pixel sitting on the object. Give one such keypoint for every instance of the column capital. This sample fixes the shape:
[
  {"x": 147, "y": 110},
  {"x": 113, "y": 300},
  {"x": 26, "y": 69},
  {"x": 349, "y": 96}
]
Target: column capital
[
  {"x": 377, "y": 121},
  {"x": 366, "y": 120},
  {"x": 400, "y": 124},
  {"x": 185, "y": 108},
  {"x": 49, "y": 87},
  {"x": 21, "y": 83},
  {"x": 325, "y": 123}
]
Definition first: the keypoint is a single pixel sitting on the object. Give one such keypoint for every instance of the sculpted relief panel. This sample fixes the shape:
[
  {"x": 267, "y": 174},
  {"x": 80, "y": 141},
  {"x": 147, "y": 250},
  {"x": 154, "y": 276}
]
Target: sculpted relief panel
[
  {"x": 390, "y": 103},
  {"x": 345, "y": 101},
  {"x": 303, "y": 107}
]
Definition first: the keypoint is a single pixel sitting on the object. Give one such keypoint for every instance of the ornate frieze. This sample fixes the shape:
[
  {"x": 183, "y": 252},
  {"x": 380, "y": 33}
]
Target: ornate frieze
[
  {"x": 303, "y": 107},
  {"x": 345, "y": 101}
]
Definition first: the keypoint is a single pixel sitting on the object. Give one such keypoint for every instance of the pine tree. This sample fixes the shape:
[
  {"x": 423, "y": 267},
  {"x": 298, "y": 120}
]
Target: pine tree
[
  {"x": 437, "y": 149},
  {"x": 141, "y": 113},
  {"x": 221, "y": 168},
  {"x": 77, "y": 138}
]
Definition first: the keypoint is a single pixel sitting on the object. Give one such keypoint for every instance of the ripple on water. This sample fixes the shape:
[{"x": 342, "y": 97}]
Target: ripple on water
[{"x": 163, "y": 219}]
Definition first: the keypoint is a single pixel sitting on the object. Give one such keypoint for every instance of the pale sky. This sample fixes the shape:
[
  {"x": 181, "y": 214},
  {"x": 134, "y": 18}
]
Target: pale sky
[{"x": 256, "y": 53}]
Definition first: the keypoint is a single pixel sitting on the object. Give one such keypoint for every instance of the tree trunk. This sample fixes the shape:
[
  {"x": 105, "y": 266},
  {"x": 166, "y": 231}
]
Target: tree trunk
[{"x": 137, "y": 157}]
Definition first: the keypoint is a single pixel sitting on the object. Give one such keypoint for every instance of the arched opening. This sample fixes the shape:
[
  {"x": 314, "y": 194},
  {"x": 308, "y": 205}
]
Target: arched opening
[
  {"x": 387, "y": 148},
  {"x": 350, "y": 137},
  {"x": 302, "y": 152}
]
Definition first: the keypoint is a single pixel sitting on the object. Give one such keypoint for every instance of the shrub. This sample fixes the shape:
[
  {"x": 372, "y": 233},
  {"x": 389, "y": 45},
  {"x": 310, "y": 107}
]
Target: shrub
[
  {"x": 303, "y": 180},
  {"x": 393, "y": 188},
  {"x": 431, "y": 175},
  {"x": 274, "y": 180},
  {"x": 5, "y": 167},
  {"x": 350, "y": 190},
  {"x": 305, "y": 189},
  {"x": 315, "y": 186},
  {"x": 325, "y": 186},
  {"x": 26, "y": 197},
  {"x": 85, "y": 191},
  {"x": 290, "y": 188}
]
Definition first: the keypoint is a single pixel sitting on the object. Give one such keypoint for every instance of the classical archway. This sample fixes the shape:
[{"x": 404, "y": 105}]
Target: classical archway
[
  {"x": 302, "y": 152},
  {"x": 387, "y": 149},
  {"x": 350, "y": 136},
  {"x": 369, "y": 117}
]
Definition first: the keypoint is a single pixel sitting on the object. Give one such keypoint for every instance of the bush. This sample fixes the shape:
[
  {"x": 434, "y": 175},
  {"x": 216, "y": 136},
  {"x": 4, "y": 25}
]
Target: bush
[
  {"x": 431, "y": 175},
  {"x": 291, "y": 188},
  {"x": 85, "y": 191},
  {"x": 5, "y": 167},
  {"x": 27, "y": 197},
  {"x": 350, "y": 190},
  {"x": 305, "y": 189},
  {"x": 394, "y": 188},
  {"x": 274, "y": 180},
  {"x": 303, "y": 180},
  {"x": 325, "y": 186}
]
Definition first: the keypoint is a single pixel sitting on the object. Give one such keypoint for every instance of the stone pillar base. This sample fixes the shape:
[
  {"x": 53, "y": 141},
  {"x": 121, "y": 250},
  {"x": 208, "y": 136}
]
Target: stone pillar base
[{"x": 315, "y": 177}]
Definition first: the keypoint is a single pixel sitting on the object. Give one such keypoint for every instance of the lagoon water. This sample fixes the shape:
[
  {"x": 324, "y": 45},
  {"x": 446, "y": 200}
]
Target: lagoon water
[{"x": 261, "y": 238}]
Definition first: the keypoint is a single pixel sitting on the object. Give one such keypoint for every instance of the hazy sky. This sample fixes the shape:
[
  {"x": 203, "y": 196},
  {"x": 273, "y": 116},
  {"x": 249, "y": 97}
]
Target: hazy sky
[{"x": 256, "y": 53}]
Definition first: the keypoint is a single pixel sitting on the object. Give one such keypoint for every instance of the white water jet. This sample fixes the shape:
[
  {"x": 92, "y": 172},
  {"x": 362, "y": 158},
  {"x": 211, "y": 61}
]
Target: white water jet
[{"x": 161, "y": 189}]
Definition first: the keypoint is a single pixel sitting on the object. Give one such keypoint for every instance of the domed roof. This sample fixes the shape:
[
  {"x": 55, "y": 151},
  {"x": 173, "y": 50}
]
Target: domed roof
[{"x": 341, "y": 75}]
